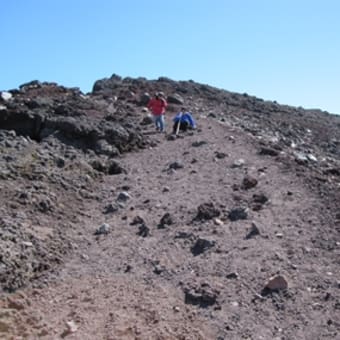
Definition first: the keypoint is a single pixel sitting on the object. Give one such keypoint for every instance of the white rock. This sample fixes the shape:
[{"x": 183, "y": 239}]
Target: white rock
[
  {"x": 238, "y": 163},
  {"x": 103, "y": 229},
  {"x": 71, "y": 326},
  {"x": 217, "y": 221},
  {"x": 312, "y": 158},
  {"x": 176, "y": 309},
  {"x": 6, "y": 95}
]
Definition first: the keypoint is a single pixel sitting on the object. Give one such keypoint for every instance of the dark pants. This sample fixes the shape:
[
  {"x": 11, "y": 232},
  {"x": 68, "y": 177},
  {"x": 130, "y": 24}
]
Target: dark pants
[{"x": 183, "y": 127}]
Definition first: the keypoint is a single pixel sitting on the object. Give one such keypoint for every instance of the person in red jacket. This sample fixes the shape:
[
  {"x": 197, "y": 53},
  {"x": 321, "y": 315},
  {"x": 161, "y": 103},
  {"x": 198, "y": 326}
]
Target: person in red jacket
[{"x": 157, "y": 105}]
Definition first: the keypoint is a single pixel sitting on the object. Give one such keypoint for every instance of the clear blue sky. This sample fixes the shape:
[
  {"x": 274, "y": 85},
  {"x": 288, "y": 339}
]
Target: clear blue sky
[{"x": 283, "y": 50}]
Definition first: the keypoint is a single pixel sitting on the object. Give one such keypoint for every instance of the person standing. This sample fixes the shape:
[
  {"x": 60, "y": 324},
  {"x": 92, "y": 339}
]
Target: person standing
[{"x": 158, "y": 105}]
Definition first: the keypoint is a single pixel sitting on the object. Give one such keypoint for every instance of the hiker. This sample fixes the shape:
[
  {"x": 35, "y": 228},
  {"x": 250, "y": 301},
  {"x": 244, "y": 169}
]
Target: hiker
[
  {"x": 157, "y": 105},
  {"x": 185, "y": 120}
]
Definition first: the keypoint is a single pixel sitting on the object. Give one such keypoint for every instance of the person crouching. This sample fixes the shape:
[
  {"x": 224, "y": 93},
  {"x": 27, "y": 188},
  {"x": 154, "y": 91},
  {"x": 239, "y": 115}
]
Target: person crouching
[{"x": 183, "y": 121}]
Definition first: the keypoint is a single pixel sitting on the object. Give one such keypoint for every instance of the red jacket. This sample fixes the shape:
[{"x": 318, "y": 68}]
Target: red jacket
[{"x": 157, "y": 106}]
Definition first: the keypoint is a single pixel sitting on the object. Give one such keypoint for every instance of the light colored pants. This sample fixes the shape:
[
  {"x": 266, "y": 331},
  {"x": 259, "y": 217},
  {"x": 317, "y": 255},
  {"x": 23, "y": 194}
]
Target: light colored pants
[{"x": 159, "y": 121}]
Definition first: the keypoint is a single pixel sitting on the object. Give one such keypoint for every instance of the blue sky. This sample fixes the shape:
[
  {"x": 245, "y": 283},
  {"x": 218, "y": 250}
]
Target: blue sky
[{"x": 283, "y": 50}]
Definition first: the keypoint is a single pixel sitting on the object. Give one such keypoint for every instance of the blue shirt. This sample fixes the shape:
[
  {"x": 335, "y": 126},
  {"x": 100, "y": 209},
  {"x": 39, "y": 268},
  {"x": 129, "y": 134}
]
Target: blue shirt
[{"x": 185, "y": 117}]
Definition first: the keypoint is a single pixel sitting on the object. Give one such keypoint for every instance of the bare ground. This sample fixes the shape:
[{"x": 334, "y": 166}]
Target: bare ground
[{"x": 146, "y": 280}]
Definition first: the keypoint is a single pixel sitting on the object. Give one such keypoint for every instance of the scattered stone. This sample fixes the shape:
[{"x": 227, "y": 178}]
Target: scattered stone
[
  {"x": 111, "y": 208},
  {"x": 239, "y": 163},
  {"x": 254, "y": 231},
  {"x": 233, "y": 275},
  {"x": 275, "y": 284},
  {"x": 300, "y": 158},
  {"x": 137, "y": 220},
  {"x": 166, "y": 189},
  {"x": 332, "y": 171},
  {"x": 144, "y": 99},
  {"x": 147, "y": 120},
  {"x": 207, "y": 211},
  {"x": 184, "y": 235},
  {"x": 176, "y": 165},
  {"x": 306, "y": 250},
  {"x": 85, "y": 257},
  {"x": 202, "y": 296},
  {"x": 128, "y": 268},
  {"x": 6, "y": 96},
  {"x": 220, "y": 155},
  {"x": 71, "y": 327},
  {"x": 171, "y": 137},
  {"x": 312, "y": 158},
  {"x": 218, "y": 221},
  {"x": 201, "y": 245},
  {"x": 249, "y": 182},
  {"x": 27, "y": 244},
  {"x": 158, "y": 268},
  {"x": 175, "y": 99},
  {"x": 260, "y": 198},
  {"x": 256, "y": 206},
  {"x": 238, "y": 214},
  {"x": 165, "y": 220},
  {"x": 45, "y": 205},
  {"x": 199, "y": 143},
  {"x": 114, "y": 168},
  {"x": 143, "y": 230},
  {"x": 123, "y": 196},
  {"x": 104, "y": 229},
  {"x": 268, "y": 152}
]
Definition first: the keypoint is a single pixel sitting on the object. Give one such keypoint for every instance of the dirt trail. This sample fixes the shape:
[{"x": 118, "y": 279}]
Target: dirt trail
[{"x": 126, "y": 286}]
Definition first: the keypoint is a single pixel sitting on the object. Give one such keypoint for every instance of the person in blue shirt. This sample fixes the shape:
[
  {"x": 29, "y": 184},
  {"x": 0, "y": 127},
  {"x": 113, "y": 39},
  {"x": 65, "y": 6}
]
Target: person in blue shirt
[{"x": 185, "y": 121}]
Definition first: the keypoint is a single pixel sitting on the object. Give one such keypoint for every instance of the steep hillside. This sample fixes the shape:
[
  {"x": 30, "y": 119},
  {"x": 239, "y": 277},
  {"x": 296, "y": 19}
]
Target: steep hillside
[{"x": 110, "y": 230}]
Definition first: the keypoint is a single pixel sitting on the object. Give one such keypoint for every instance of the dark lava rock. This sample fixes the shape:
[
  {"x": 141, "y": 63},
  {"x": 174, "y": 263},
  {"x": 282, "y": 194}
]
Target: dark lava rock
[
  {"x": 238, "y": 214},
  {"x": 165, "y": 220},
  {"x": 260, "y": 198},
  {"x": 143, "y": 230},
  {"x": 201, "y": 245},
  {"x": 137, "y": 220},
  {"x": 176, "y": 165},
  {"x": 254, "y": 231},
  {"x": 207, "y": 211},
  {"x": 249, "y": 182},
  {"x": 202, "y": 296},
  {"x": 268, "y": 151}
]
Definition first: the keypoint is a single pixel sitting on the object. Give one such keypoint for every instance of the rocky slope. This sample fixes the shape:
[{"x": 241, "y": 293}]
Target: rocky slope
[{"x": 112, "y": 231}]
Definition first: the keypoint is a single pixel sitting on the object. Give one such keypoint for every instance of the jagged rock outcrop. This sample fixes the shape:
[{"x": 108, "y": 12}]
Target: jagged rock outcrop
[{"x": 43, "y": 110}]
